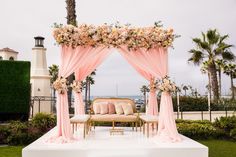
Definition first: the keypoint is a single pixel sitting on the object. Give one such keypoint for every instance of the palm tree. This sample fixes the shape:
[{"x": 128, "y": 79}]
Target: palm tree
[
  {"x": 86, "y": 85},
  {"x": 71, "y": 19},
  {"x": 230, "y": 70},
  {"x": 90, "y": 81},
  {"x": 53, "y": 72},
  {"x": 209, "y": 47},
  {"x": 220, "y": 64},
  {"x": 144, "y": 89},
  {"x": 185, "y": 88},
  {"x": 204, "y": 70},
  {"x": 71, "y": 12}
]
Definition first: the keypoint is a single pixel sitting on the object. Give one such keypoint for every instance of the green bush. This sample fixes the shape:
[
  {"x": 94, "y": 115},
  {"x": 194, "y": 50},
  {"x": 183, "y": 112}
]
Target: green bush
[
  {"x": 4, "y": 133},
  {"x": 18, "y": 133},
  {"x": 233, "y": 134},
  {"x": 193, "y": 121},
  {"x": 188, "y": 103},
  {"x": 197, "y": 130},
  {"x": 23, "y": 133},
  {"x": 14, "y": 90},
  {"x": 44, "y": 122},
  {"x": 226, "y": 123}
]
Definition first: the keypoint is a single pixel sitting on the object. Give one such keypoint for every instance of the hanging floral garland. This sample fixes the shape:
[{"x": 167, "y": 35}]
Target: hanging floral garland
[
  {"x": 114, "y": 35},
  {"x": 166, "y": 85},
  {"x": 60, "y": 85}
]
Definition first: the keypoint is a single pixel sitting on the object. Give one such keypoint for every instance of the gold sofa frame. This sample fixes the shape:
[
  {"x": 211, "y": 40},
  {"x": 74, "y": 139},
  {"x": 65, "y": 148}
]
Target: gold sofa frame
[{"x": 134, "y": 122}]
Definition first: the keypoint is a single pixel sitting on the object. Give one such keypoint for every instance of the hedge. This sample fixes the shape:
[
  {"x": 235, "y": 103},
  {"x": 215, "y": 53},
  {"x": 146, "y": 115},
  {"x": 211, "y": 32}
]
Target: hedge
[
  {"x": 201, "y": 104},
  {"x": 14, "y": 90}
]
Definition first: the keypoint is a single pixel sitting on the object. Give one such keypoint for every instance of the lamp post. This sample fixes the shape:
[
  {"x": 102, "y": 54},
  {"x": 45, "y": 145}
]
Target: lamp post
[
  {"x": 178, "y": 105},
  {"x": 209, "y": 105}
]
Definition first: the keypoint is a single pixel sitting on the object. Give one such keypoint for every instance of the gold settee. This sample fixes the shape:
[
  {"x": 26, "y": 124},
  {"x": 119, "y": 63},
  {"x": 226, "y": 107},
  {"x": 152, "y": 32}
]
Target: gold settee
[{"x": 134, "y": 118}]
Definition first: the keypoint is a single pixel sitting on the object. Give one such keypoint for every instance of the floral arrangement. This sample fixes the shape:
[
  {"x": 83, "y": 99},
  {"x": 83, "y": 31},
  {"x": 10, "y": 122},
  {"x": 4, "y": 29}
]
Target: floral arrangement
[
  {"x": 166, "y": 85},
  {"x": 114, "y": 35},
  {"x": 76, "y": 86},
  {"x": 153, "y": 85},
  {"x": 60, "y": 85}
]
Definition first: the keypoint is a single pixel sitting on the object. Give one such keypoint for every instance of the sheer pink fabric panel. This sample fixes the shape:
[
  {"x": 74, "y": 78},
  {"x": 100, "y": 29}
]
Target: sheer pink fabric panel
[
  {"x": 71, "y": 59},
  {"x": 83, "y": 72},
  {"x": 155, "y": 62},
  {"x": 139, "y": 65}
]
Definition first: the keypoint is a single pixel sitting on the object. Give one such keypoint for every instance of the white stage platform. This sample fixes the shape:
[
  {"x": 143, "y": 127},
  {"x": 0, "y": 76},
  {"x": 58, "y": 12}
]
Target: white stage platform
[{"x": 100, "y": 143}]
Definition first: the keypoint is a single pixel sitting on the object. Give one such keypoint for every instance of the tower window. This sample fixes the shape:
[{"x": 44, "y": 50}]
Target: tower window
[{"x": 11, "y": 58}]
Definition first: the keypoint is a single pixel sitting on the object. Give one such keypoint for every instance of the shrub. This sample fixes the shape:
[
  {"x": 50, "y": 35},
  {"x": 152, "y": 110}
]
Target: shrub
[
  {"x": 197, "y": 130},
  {"x": 188, "y": 103},
  {"x": 226, "y": 123},
  {"x": 233, "y": 134},
  {"x": 193, "y": 121},
  {"x": 23, "y": 133},
  {"x": 3, "y": 134},
  {"x": 18, "y": 133},
  {"x": 43, "y": 121}
]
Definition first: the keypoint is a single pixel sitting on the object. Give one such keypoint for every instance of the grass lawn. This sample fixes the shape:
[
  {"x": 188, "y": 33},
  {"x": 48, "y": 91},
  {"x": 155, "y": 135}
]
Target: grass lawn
[
  {"x": 218, "y": 148},
  {"x": 10, "y": 151}
]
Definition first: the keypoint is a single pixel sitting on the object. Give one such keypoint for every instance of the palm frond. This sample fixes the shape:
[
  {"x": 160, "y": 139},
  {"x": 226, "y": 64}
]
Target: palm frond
[
  {"x": 204, "y": 37},
  {"x": 222, "y": 38},
  {"x": 221, "y": 48},
  {"x": 228, "y": 55},
  {"x": 212, "y": 36},
  {"x": 197, "y": 56}
]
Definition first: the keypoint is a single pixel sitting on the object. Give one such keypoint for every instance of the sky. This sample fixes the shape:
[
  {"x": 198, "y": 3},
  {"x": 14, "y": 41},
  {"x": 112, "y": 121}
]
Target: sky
[{"x": 22, "y": 20}]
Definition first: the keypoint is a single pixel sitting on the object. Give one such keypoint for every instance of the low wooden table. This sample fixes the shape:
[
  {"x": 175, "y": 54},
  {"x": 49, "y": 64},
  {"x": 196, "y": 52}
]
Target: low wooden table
[
  {"x": 114, "y": 130},
  {"x": 80, "y": 119},
  {"x": 148, "y": 119}
]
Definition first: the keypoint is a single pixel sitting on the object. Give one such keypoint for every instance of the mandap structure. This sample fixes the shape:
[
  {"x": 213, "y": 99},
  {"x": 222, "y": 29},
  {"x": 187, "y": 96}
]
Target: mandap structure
[{"x": 85, "y": 47}]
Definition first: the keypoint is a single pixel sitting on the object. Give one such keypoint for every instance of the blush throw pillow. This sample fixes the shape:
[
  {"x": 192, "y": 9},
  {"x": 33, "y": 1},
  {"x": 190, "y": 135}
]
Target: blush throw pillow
[
  {"x": 127, "y": 108},
  {"x": 119, "y": 109},
  {"x": 96, "y": 108},
  {"x": 111, "y": 108},
  {"x": 104, "y": 108}
]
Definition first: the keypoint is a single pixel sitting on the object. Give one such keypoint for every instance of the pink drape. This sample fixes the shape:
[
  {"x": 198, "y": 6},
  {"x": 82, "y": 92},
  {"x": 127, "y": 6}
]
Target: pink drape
[
  {"x": 139, "y": 65},
  {"x": 71, "y": 60},
  {"x": 154, "y": 62},
  {"x": 82, "y": 73},
  {"x": 83, "y": 60}
]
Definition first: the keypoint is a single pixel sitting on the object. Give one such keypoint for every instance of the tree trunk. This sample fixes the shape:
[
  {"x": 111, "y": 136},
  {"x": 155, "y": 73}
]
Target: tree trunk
[
  {"x": 86, "y": 93},
  {"x": 144, "y": 98},
  {"x": 89, "y": 85},
  {"x": 219, "y": 82},
  {"x": 71, "y": 19},
  {"x": 209, "y": 85},
  {"x": 232, "y": 86},
  {"x": 69, "y": 92},
  {"x": 214, "y": 82},
  {"x": 71, "y": 12},
  {"x": 185, "y": 92}
]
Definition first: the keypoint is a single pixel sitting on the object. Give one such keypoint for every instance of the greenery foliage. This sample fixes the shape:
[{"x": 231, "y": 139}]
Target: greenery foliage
[
  {"x": 210, "y": 47},
  {"x": 188, "y": 103},
  {"x": 23, "y": 133},
  {"x": 222, "y": 128},
  {"x": 14, "y": 90}
]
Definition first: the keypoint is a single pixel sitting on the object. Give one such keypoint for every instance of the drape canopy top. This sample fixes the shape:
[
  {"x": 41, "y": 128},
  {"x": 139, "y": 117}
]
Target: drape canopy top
[{"x": 114, "y": 36}]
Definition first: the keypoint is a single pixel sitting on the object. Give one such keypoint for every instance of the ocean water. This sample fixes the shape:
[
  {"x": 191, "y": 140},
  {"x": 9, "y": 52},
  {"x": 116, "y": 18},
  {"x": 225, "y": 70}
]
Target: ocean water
[{"x": 134, "y": 97}]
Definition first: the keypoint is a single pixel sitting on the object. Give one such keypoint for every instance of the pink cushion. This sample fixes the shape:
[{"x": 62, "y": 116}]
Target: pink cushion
[
  {"x": 111, "y": 108},
  {"x": 104, "y": 108},
  {"x": 96, "y": 108}
]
